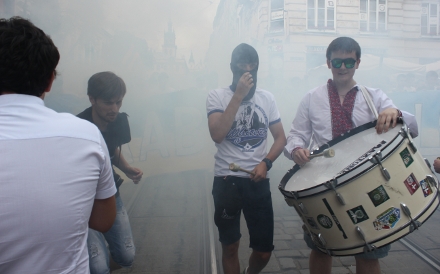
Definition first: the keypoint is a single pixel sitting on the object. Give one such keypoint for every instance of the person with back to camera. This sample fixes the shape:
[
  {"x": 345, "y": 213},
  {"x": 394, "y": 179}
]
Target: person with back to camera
[
  {"x": 56, "y": 177},
  {"x": 238, "y": 118},
  {"x": 330, "y": 110},
  {"x": 106, "y": 91}
]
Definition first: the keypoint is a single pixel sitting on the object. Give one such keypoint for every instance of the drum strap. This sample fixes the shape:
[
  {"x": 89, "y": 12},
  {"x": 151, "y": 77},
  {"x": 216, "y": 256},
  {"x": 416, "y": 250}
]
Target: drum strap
[{"x": 369, "y": 101}]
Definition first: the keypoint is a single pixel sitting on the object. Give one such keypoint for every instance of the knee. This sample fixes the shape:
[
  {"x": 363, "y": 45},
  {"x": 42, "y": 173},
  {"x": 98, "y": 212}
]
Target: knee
[
  {"x": 263, "y": 256},
  {"x": 230, "y": 250},
  {"x": 97, "y": 260},
  {"x": 126, "y": 257}
]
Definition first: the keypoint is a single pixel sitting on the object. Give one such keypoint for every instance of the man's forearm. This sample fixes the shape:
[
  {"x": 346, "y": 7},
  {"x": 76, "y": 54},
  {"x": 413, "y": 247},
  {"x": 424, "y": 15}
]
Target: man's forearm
[{"x": 219, "y": 125}]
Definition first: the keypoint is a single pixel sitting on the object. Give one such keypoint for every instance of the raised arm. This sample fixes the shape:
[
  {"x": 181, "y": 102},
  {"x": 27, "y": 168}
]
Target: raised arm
[
  {"x": 220, "y": 123},
  {"x": 132, "y": 172}
]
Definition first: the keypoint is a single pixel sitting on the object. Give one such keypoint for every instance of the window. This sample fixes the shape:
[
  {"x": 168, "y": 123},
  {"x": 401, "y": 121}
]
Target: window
[
  {"x": 277, "y": 16},
  {"x": 320, "y": 14},
  {"x": 430, "y": 19},
  {"x": 373, "y": 15}
]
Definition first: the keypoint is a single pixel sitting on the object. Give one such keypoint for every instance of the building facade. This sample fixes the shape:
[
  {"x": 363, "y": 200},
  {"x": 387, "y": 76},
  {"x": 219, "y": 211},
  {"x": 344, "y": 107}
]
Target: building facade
[{"x": 292, "y": 35}]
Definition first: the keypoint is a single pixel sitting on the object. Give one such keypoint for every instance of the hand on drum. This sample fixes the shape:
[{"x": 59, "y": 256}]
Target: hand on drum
[
  {"x": 387, "y": 119},
  {"x": 260, "y": 172},
  {"x": 437, "y": 165},
  {"x": 301, "y": 156}
]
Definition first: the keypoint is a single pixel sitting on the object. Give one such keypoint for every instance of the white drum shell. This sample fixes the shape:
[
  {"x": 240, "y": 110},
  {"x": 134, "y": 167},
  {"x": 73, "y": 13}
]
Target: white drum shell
[{"x": 355, "y": 193}]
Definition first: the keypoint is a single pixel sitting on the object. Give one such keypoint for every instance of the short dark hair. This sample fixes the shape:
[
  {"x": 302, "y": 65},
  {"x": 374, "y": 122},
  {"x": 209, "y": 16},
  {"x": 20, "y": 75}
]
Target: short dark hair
[
  {"x": 344, "y": 44},
  {"x": 106, "y": 85},
  {"x": 28, "y": 57}
]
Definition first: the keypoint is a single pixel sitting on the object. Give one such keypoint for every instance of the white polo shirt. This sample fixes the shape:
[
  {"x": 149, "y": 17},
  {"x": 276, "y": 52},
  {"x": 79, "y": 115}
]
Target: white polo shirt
[{"x": 52, "y": 167}]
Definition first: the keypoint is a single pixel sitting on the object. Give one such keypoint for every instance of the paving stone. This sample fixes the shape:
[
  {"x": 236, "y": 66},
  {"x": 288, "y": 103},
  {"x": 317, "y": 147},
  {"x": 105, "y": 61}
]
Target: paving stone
[
  {"x": 304, "y": 271},
  {"x": 299, "y": 236},
  {"x": 281, "y": 245},
  {"x": 340, "y": 270},
  {"x": 278, "y": 231},
  {"x": 287, "y": 263},
  {"x": 306, "y": 252},
  {"x": 288, "y": 253},
  {"x": 289, "y": 224},
  {"x": 282, "y": 237},
  {"x": 276, "y": 219},
  {"x": 303, "y": 263}
]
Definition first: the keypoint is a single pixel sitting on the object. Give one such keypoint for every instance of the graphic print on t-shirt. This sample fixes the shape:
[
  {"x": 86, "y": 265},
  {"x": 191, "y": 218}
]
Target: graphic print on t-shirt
[{"x": 249, "y": 129}]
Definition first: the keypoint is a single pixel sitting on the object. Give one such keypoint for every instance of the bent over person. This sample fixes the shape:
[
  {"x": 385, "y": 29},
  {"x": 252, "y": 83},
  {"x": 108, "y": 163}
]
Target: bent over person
[
  {"x": 239, "y": 118},
  {"x": 330, "y": 110},
  {"x": 56, "y": 178},
  {"x": 106, "y": 91}
]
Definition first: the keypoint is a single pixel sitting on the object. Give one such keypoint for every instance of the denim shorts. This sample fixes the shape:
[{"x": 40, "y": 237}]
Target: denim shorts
[
  {"x": 233, "y": 195},
  {"x": 378, "y": 253}
]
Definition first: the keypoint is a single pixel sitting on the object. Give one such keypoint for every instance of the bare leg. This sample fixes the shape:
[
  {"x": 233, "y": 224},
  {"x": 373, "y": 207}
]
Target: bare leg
[
  {"x": 230, "y": 262},
  {"x": 257, "y": 261},
  {"x": 367, "y": 266},
  {"x": 320, "y": 263}
]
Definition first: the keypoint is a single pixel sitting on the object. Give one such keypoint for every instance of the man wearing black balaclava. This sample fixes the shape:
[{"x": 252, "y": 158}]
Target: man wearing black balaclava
[{"x": 239, "y": 118}]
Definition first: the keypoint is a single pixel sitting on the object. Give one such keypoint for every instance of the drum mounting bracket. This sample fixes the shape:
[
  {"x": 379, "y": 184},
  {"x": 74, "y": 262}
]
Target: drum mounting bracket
[
  {"x": 414, "y": 224},
  {"x": 405, "y": 134},
  {"x": 377, "y": 159},
  {"x": 368, "y": 247},
  {"x": 323, "y": 242},
  {"x": 332, "y": 185}
]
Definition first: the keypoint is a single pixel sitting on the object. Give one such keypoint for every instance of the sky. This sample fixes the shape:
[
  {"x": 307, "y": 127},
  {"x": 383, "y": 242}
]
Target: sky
[{"x": 191, "y": 20}]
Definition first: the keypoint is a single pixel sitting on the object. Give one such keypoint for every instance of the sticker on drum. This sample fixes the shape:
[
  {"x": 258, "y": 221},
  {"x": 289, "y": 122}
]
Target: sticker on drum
[
  {"x": 406, "y": 157},
  {"x": 357, "y": 214},
  {"x": 411, "y": 183},
  {"x": 426, "y": 188},
  {"x": 387, "y": 219},
  {"x": 325, "y": 221},
  {"x": 378, "y": 196}
]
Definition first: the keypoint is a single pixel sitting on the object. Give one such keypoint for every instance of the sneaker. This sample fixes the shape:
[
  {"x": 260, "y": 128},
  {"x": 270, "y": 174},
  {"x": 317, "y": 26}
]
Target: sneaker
[{"x": 245, "y": 270}]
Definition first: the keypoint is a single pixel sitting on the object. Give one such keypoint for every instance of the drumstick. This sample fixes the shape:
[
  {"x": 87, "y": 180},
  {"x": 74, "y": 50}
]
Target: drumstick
[
  {"x": 328, "y": 153},
  {"x": 235, "y": 168}
]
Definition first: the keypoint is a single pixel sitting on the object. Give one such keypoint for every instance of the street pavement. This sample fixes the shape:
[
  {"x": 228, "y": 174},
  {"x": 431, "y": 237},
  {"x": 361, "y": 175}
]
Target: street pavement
[{"x": 171, "y": 217}]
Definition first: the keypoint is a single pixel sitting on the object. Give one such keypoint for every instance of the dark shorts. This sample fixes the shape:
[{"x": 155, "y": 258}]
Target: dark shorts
[
  {"x": 379, "y": 253},
  {"x": 234, "y": 194}
]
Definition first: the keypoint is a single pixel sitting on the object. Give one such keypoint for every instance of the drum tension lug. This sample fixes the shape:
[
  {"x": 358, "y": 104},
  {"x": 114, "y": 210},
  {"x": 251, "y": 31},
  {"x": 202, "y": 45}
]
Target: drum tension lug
[
  {"x": 368, "y": 247},
  {"x": 405, "y": 134},
  {"x": 303, "y": 209},
  {"x": 427, "y": 163},
  {"x": 323, "y": 242},
  {"x": 433, "y": 183},
  {"x": 332, "y": 185},
  {"x": 377, "y": 159},
  {"x": 414, "y": 224}
]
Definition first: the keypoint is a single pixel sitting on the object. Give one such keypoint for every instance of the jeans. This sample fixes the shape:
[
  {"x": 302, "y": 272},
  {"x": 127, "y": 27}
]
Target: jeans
[{"x": 120, "y": 243}]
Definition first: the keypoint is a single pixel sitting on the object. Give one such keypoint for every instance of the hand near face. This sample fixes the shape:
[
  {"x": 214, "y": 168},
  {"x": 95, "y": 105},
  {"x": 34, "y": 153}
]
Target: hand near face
[
  {"x": 244, "y": 84},
  {"x": 386, "y": 119},
  {"x": 301, "y": 156}
]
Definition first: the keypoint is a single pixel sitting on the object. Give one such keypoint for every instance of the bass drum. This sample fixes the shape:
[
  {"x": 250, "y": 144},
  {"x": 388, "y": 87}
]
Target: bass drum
[{"x": 374, "y": 191}]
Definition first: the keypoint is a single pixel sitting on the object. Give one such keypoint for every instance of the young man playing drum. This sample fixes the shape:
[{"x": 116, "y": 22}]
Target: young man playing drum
[
  {"x": 330, "y": 110},
  {"x": 239, "y": 118}
]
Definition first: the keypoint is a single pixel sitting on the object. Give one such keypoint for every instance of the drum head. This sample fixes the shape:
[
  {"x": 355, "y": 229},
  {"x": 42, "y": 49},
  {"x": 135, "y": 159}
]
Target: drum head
[{"x": 351, "y": 150}]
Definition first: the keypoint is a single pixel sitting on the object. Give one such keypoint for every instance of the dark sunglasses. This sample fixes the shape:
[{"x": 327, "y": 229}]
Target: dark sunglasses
[{"x": 349, "y": 62}]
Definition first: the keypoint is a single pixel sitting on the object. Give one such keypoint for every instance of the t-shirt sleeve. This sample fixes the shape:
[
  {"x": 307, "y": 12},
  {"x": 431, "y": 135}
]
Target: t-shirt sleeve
[
  {"x": 213, "y": 103},
  {"x": 106, "y": 184}
]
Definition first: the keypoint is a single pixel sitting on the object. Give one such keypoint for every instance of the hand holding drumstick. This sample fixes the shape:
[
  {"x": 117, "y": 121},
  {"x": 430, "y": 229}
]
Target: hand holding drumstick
[
  {"x": 302, "y": 155},
  {"x": 235, "y": 168}
]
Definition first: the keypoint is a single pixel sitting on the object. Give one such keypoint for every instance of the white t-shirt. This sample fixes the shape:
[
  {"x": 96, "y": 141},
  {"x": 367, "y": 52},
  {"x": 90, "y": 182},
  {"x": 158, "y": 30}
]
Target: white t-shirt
[
  {"x": 53, "y": 167},
  {"x": 312, "y": 126},
  {"x": 246, "y": 142}
]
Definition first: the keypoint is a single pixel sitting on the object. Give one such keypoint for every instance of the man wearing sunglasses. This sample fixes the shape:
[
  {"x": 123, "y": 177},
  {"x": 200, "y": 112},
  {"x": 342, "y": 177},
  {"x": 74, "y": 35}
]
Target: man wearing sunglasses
[{"x": 330, "y": 110}]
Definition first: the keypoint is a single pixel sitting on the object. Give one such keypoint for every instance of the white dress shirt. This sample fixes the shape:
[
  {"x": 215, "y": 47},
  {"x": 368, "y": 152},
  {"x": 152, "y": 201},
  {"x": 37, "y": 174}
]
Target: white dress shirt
[
  {"x": 53, "y": 167},
  {"x": 312, "y": 126}
]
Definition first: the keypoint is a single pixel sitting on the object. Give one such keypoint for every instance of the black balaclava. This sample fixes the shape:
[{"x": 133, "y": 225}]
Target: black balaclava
[{"x": 245, "y": 54}]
